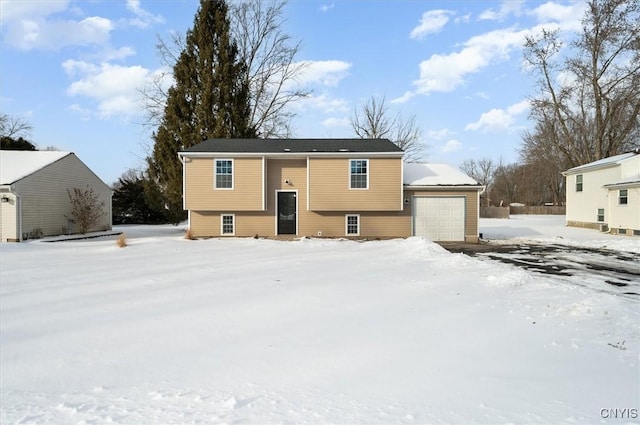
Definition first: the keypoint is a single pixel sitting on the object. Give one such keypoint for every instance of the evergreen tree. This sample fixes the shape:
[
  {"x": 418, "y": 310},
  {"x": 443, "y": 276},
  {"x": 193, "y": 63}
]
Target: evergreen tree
[
  {"x": 19, "y": 144},
  {"x": 210, "y": 98},
  {"x": 130, "y": 203}
]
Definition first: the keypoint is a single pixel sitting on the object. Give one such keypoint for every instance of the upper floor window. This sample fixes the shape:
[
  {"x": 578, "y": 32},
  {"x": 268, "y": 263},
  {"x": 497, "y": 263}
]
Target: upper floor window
[
  {"x": 359, "y": 174},
  {"x": 224, "y": 174},
  {"x": 623, "y": 197},
  {"x": 579, "y": 183}
]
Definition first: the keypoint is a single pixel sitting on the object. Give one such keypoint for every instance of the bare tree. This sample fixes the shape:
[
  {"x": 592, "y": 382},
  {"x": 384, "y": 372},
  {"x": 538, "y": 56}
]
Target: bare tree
[
  {"x": 374, "y": 121},
  {"x": 86, "y": 208},
  {"x": 481, "y": 171},
  {"x": 593, "y": 111},
  {"x": 269, "y": 54},
  {"x": 14, "y": 127}
]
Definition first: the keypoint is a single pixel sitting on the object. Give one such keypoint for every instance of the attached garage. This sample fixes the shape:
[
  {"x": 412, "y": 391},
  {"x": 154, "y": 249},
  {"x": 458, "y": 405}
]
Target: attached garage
[
  {"x": 439, "y": 218},
  {"x": 444, "y": 202}
]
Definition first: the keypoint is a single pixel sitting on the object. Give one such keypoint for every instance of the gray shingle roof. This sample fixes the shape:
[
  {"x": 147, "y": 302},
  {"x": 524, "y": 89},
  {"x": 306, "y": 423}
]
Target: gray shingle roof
[{"x": 294, "y": 146}]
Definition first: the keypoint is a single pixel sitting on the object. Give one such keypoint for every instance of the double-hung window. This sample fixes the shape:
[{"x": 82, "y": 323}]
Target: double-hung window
[
  {"x": 579, "y": 183},
  {"x": 353, "y": 224},
  {"x": 600, "y": 215},
  {"x": 623, "y": 197},
  {"x": 224, "y": 174},
  {"x": 227, "y": 224},
  {"x": 359, "y": 174}
]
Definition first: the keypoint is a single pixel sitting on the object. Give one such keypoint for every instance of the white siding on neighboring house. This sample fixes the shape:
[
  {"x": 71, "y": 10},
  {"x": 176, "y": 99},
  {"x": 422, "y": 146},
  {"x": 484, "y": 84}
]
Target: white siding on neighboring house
[
  {"x": 8, "y": 217},
  {"x": 44, "y": 203},
  {"x": 602, "y": 182},
  {"x": 583, "y": 206}
]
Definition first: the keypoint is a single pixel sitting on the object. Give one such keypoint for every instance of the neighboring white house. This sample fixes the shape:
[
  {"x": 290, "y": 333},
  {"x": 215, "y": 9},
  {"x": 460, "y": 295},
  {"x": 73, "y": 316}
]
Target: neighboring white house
[
  {"x": 34, "y": 199},
  {"x": 605, "y": 194}
]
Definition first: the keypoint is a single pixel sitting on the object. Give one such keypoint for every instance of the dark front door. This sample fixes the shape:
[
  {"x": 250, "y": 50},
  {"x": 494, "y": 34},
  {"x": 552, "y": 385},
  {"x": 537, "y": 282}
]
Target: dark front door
[{"x": 286, "y": 213}]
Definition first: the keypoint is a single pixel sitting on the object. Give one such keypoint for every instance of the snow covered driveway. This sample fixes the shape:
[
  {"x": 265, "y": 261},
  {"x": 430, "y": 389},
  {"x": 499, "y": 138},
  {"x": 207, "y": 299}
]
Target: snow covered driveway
[
  {"x": 168, "y": 330},
  {"x": 606, "y": 263},
  {"x": 605, "y": 270}
]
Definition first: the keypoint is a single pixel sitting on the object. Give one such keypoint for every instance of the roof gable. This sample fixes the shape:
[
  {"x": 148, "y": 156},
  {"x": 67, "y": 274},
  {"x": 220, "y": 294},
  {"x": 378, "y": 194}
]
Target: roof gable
[
  {"x": 611, "y": 161},
  {"x": 16, "y": 165},
  {"x": 426, "y": 174},
  {"x": 284, "y": 146}
]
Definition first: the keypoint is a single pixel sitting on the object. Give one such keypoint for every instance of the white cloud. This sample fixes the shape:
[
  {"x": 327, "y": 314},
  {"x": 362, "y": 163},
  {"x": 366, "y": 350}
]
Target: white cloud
[
  {"x": 431, "y": 22},
  {"x": 324, "y": 103},
  {"x": 336, "y": 122},
  {"x": 85, "y": 114},
  {"x": 113, "y": 87},
  {"x": 451, "y": 146},
  {"x": 508, "y": 7},
  {"x": 407, "y": 96},
  {"x": 499, "y": 119},
  {"x": 12, "y": 11},
  {"x": 444, "y": 73},
  {"x": 567, "y": 16},
  {"x": 143, "y": 18},
  {"x": 39, "y": 33},
  {"x": 465, "y": 19},
  {"x": 327, "y": 73},
  {"x": 327, "y": 7},
  {"x": 116, "y": 54},
  {"x": 439, "y": 134}
]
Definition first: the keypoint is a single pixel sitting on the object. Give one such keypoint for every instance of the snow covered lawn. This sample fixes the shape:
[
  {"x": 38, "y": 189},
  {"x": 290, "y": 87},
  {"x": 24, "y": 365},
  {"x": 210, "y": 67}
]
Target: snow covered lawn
[{"x": 168, "y": 330}]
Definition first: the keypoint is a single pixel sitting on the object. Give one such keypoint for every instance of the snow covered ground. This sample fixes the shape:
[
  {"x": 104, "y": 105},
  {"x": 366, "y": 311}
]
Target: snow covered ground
[{"x": 172, "y": 331}]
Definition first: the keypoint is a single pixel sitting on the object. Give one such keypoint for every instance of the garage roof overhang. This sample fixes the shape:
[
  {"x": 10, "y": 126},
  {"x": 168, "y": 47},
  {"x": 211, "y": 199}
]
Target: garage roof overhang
[{"x": 457, "y": 187}]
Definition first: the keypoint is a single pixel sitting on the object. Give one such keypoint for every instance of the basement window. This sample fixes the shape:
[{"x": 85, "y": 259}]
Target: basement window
[
  {"x": 353, "y": 225},
  {"x": 227, "y": 224}
]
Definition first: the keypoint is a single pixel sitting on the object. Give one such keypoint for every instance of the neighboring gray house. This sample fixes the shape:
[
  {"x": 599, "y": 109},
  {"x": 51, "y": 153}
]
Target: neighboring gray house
[
  {"x": 605, "y": 194},
  {"x": 34, "y": 201}
]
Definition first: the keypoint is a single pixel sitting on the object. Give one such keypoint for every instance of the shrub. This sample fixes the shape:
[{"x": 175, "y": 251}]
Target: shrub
[
  {"x": 122, "y": 240},
  {"x": 189, "y": 235},
  {"x": 86, "y": 208}
]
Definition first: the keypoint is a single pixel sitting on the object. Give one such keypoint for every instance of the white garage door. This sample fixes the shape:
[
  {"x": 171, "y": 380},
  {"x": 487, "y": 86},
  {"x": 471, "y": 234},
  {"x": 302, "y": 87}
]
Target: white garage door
[{"x": 439, "y": 218}]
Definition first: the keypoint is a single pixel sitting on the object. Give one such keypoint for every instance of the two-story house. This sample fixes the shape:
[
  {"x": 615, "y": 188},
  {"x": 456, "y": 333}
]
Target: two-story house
[
  {"x": 605, "y": 194},
  {"x": 322, "y": 187}
]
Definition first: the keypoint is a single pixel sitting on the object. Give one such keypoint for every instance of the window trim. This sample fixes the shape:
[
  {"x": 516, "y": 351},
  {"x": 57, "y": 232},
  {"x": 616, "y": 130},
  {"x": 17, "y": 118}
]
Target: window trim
[
  {"x": 233, "y": 224},
  {"x": 346, "y": 224},
  {"x": 366, "y": 160},
  {"x": 215, "y": 173},
  {"x": 580, "y": 183},
  {"x": 625, "y": 197},
  {"x": 598, "y": 215}
]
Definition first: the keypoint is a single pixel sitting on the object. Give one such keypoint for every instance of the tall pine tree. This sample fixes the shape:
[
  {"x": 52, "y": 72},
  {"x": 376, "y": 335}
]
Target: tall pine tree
[{"x": 210, "y": 98}]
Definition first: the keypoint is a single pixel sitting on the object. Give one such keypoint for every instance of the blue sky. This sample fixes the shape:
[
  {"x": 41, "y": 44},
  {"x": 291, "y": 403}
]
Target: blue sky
[{"x": 73, "y": 69}]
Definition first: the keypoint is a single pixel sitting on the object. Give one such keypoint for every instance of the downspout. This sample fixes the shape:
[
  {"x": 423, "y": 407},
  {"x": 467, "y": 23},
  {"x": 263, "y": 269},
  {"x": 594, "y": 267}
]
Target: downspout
[
  {"x": 184, "y": 186},
  {"x": 19, "y": 199},
  {"x": 111, "y": 210}
]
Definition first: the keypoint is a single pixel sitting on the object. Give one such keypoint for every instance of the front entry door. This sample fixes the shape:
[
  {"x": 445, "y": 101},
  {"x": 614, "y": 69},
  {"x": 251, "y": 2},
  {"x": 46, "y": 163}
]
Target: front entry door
[{"x": 287, "y": 213}]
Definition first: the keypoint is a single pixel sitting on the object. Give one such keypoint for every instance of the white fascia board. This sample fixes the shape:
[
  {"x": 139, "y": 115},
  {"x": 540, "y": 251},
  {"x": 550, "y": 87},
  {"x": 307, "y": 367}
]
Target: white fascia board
[
  {"x": 445, "y": 187},
  {"x": 292, "y": 155}
]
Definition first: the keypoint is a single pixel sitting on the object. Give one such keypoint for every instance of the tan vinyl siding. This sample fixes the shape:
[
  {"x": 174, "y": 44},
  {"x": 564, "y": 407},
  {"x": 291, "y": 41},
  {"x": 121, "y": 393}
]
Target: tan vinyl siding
[
  {"x": 329, "y": 181},
  {"x": 471, "y": 207},
  {"x": 331, "y": 224},
  {"x": 45, "y": 201},
  {"x": 201, "y": 193}
]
